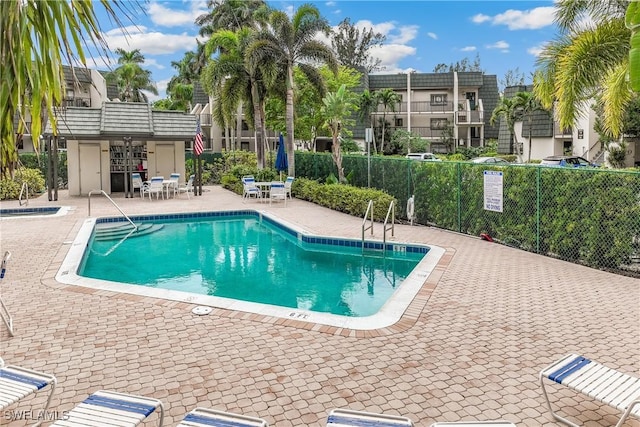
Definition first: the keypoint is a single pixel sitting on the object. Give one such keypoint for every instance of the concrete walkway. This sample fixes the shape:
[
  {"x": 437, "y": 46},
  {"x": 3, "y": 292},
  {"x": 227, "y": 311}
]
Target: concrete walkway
[{"x": 493, "y": 318}]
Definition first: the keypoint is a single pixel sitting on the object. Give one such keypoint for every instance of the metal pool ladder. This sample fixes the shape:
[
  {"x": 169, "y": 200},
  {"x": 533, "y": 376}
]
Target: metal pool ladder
[
  {"x": 24, "y": 190},
  {"x": 135, "y": 227},
  {"x": 390, "y": 212},
  {"x": 369, "y": 213}
]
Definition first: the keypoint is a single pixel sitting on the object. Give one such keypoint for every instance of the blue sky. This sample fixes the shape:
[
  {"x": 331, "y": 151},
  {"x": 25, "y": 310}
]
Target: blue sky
[{"x": 506, "y": 35}]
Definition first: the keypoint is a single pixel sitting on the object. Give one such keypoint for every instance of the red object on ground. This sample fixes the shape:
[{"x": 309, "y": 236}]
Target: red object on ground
[{"x": 485, "y": 236}]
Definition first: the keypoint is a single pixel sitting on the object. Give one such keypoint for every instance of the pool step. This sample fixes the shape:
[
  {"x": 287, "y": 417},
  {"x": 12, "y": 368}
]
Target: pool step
[{"x": 111, "y": 232}]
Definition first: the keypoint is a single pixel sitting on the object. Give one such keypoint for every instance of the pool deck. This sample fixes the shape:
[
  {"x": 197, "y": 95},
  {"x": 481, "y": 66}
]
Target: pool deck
[{"x": 469, "y": 347}]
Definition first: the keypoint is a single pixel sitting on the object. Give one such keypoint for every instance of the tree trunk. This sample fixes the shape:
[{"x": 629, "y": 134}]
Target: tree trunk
[
  {"x": 530, "y": 124},
  {"x": 239, "y": 126},
  {"x": 336, "y": 153},
  {"x": 289, "y": 121},
  {"x": 384, "y": 125},
  {"x": 257, "y": 125}
]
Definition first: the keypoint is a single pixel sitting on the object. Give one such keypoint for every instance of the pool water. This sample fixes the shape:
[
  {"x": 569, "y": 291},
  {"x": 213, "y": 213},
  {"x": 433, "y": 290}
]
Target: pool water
[{"x": 246, "y": 257}]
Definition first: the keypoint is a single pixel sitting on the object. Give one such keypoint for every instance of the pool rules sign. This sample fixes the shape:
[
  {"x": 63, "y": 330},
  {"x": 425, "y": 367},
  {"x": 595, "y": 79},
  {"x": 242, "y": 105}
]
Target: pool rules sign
[{"x": 493, "y": 191}]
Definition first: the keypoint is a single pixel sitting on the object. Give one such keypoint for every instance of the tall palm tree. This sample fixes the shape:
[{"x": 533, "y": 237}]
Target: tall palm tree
[
  {"x": 228, "y": 15},
  {"x": 288, "y": 42},
  {"x": 337, "y": 109},
  {"x": 234, "y": 82},
  {"x": 130, "y": 78},
  {"x": 506, "y": 110},
  {"x": 367, "y": 105},
  {"x": 389, "y": 100},
  {"x": 36, "y": 38},
  {"x": 586, "y": 62},
  {"x": 524, "y": 105}
]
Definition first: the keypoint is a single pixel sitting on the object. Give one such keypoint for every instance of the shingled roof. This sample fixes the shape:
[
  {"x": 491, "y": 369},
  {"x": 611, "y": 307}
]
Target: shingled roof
[{"x": 119, "y": 119}]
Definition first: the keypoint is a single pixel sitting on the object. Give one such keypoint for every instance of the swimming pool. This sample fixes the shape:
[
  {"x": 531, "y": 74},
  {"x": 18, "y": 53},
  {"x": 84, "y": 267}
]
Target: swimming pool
[
  {"x": 34, "y": 212},
  {"x": 376, "y": 288}
]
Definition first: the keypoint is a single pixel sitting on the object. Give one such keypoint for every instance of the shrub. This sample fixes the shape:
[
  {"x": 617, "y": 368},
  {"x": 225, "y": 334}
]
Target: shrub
[
  {"x": 343, "y": 198},
  {"x": 10, "y": 188}
]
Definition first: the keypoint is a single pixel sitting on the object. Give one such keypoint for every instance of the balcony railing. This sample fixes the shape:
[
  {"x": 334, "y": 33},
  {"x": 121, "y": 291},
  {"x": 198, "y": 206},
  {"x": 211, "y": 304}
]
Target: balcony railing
[
  {"x": 469, "y": 117},
  {"x": 559, "y": 132},
  {"x": 205, "y": 119},
  {"x": 76, "y": 102},
  {"x": 420, "y": 107}
]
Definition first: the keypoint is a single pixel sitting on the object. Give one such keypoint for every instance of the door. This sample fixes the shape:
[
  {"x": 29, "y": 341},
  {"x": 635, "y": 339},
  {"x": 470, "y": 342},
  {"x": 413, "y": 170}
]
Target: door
[
  {"x": 90, "y": 172},
  {"x": 165, "y": 160}
]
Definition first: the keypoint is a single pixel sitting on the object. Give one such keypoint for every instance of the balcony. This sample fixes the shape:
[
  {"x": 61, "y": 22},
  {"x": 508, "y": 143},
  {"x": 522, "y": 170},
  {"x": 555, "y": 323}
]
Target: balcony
[
  {"x": 558, "y": 132},
  {"x": 76, "y": 102},
  {"x": 420, "y": 107},
  {"x": 469, "y": 118}
]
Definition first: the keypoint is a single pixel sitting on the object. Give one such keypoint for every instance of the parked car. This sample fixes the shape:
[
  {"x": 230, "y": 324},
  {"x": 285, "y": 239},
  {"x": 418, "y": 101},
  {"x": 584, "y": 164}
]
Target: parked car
[
  {"x": 424, "y": 157},
  {"x": 490, "y": 160},
  {"x": 568, "y": 161}
]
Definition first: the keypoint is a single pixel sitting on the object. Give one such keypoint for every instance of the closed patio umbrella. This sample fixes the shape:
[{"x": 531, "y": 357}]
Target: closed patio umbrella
[{"x": 282, "y": 164}]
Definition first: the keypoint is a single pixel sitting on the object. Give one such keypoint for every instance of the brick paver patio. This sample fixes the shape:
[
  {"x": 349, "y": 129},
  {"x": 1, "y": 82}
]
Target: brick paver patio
[{"x": 492, "y": 318}]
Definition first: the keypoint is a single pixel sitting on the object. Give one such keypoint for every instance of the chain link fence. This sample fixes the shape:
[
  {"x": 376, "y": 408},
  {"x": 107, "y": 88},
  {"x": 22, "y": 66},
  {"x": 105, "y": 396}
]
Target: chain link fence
[{"x": 585, "y": 216}]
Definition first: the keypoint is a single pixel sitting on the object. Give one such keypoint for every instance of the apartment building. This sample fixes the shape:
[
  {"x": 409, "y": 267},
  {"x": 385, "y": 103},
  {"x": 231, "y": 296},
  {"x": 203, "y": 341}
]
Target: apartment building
[{"x": 447, "y": 109}]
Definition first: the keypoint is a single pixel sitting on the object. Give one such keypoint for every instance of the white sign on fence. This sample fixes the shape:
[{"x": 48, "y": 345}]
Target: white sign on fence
[{"x": 493, "y": 191}]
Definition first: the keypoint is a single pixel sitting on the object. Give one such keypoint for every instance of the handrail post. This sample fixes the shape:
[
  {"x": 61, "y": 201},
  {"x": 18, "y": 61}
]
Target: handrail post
[
  {"x": 25, "y": 185},
  {"x": 112, "y": 202},
  {"x": 364, "y": 221},
  {"x": 391, "y": 211}
]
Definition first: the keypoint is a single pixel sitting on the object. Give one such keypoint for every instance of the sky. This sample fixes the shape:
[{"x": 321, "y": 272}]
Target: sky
[{"x": 420, "y": 34}]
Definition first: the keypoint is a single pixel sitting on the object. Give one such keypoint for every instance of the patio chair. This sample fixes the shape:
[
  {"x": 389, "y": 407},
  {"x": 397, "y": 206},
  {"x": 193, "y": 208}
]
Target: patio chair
[
  {"x": 614, "y": 388},
  {"x": 348, "y": 417},
  {"x": 203, "y": 417},
  {"x": 106, "y": 408},
  {"x": 277, "y": 191},
  {"x": 4, "y": 311},
  {"x": 287, "y": 186},
  {"x": 187, "y": 188},
  {"x": 17, "y": 382},
  {"x": 136, "y": 182},
  {"x": 156, "y": 187},
  {"x": 175, "y": 183},
  {"x": 249, "y": 188}
]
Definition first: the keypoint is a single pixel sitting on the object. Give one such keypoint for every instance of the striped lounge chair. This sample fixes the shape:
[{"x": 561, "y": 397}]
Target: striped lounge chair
[
  {"x": 203, "y": 417},
  {"x": 17, "y": 382},
  {"x": 350, "y": 418},
  {"x": 614, "y": 388},
  {"x": 109, "y": 408}
]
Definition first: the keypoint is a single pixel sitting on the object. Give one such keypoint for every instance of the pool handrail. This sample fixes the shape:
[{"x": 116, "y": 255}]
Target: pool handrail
[
  {"x": 391, "y": 212},
  {"x": 369, "y": 212},
  {"x": 114, "y": 204},
  {"x": 25, "y": 185}
]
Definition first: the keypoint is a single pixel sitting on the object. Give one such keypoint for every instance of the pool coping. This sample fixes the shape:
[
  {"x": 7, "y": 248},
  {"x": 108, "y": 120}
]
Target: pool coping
[
  {"x": 413, "y": 294},
  {"x": 61, "y": 211}
]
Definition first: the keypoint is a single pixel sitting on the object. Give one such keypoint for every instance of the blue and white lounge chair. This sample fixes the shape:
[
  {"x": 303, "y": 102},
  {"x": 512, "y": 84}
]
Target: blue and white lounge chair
[
  {"x": 17, "y": 382},
  {"x": 203, "y": 417},
  {"x": 249, "y": 188},
  {"x": 350, "y": 418},
  {"x": 277, "y": 191},
  {"x": 614, "y": 388},
  {"x": 110, "y": 408},
  {"x": 4, "y": 311}
]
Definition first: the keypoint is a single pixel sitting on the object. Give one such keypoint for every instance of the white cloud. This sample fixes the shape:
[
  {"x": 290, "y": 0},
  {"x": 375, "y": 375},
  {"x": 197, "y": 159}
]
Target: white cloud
[
  {"x": 498, "y": 45},
  {"x": 532, "y": 19},
  {"x": 330, "y": 3},
  {"x": 535, "y": 50},
  {"x": 468, "y": 49},
  {"x": 432, "y": 35},
  {"x": 162, "y": 15},
  {"x": 149, "y": 43},
  {"x": 391, "y": 54},
  {"x": 480, "y": 18},
  {"x": 337, "y": 12}
]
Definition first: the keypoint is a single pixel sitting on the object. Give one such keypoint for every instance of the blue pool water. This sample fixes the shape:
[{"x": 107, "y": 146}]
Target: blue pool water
[
  {"x": 244, "y": 256},
  {"x": 19, "y": 212}
]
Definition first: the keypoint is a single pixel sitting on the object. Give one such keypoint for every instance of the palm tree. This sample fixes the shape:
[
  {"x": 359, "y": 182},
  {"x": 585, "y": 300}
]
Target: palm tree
[
  {"x": 288, "y": 42},
  {"x": 130, "y": 78},
  {"x": 231, "y": 79},
  {"x": 506, "y": 110},
  {"x": 337, "y": 108},
  {"x": 524, "y": 105},
  {"x": 389, "y": 100},
  {"x": 36, "y": 38},
  {"x": 367, "y": 105},
  {"x": 228, "y": 15},
  {"x": 586, "y": 62}
]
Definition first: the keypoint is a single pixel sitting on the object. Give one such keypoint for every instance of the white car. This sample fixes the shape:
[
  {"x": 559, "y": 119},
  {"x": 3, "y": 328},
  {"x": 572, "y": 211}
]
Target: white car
[{"x": 424, "y": 157}]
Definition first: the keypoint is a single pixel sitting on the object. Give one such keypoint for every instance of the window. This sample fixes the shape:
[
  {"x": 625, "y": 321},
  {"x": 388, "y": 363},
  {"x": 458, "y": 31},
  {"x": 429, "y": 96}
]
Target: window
[
  {"x": 439, "y": 99},
  {"x": 245, "y": 126},
  {"x": 439, "y": 123},
  {"x": 399, "y": 122}
]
